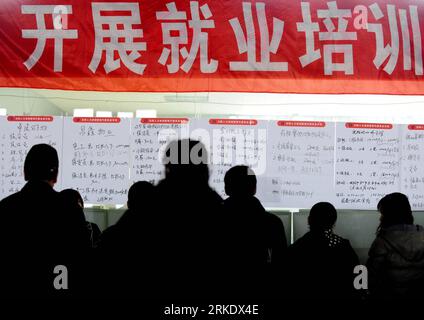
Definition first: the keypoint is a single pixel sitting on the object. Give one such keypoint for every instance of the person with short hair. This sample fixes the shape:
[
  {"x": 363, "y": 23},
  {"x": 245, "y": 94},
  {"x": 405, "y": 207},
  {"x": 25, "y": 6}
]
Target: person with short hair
[
  {"x": 240, "y": 181},
  {"x": 74, "y": 201},
  {"x": 39, "y": 233},
  {"x": 257, "y": 238},
  {"x": 42, "y": 164},
  {"x": 188, "y": 245},
  {"x": 139, "y": 194},
  {"x": 396, "y": 257},
  {"x": 321, "y": 263},
  {"x": 125, "y": 245}
]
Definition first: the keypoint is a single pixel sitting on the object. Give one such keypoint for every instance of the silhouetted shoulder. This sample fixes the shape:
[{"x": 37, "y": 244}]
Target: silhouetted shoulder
[
  {"x": 300, "y": 244},
  {"x": 216, "y": 198},
  {"x": 10, "y": 202},
  {"x": 324, "y": 239},
  {"x": 272, "y": 218},
  {"x": 335, "y": 240},
  {"x": 10, "y": 199},
  {"x": 273, "y": 221}
]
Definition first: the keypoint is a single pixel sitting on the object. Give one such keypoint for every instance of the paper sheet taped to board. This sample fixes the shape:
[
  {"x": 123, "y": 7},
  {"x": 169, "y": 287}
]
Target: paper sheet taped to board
[
  {"x": 232, "y": 142},
  {"x": 300, "y": 163},
  {"x": 367, "y": 163},
  {"x": 96, "y": 158},
  {"x": 149, "y": 138},
  {"x": 17, "y": 135},
  {"x": 297, "y": 163},
  {"x": 412, "y": 174}
]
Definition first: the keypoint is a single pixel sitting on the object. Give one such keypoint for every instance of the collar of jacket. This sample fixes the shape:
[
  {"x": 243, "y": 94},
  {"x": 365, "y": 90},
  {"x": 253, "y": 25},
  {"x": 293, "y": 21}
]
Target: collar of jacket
[
  {"x": 250, "y": 202},
  {"x": 37, "y": 185}
]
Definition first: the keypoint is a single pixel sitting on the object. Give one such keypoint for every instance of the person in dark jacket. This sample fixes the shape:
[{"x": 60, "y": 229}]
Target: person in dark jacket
[
  {"x": 38, "y": 232},
  {"x": 396, "y": 257},
  {"x": 73, "y": 200},
  {"x": 140, "y": 196},
  {"x": 188, "y": 243},
  {"x": 257, "y": 238},
  {"x": 123, "y": 249},
  {"x": 126, "y": 232},
  {"x": 321, "y": 263}
]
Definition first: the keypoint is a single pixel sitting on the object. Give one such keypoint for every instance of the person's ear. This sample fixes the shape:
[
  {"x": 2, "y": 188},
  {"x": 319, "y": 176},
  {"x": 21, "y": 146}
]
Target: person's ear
[
  {"x": 226, "y": 191},
  {"x": 55, "y": 175}
]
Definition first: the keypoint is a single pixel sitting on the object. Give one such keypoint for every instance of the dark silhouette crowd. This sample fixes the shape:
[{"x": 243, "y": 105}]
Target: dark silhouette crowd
[{"x": 180, "y": 239}]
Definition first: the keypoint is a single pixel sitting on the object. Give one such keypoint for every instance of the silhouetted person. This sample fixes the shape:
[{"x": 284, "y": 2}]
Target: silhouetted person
[
  {"x": 321, "y": 263},
  {"x": 123, "y": 249},
  {"x": 38, "y": 233},
  {"x": 188, "y": 242},
  {"x": 140, "y": 196},
  {"x": 396, "y": 257},
  {"x": 257, "y": 238},
  {"x": 73, "y": 200}
]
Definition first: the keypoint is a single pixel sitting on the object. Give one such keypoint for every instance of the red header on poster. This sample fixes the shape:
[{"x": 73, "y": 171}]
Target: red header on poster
[
  {"x": 416, "y": 127},
  {"x": 233, "y": 122},
  {"x": 30, "y": 118},
  {"x": 97, "y": 120},
  {"x": 317, "y": 124},
  {"x": 360, "y": 125},
  {"x": 164, "y": 120},
  {"x": 321, "y": 46}
]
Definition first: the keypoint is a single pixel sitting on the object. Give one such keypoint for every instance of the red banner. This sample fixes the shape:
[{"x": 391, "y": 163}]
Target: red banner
[{"x": 316, "y": 46}]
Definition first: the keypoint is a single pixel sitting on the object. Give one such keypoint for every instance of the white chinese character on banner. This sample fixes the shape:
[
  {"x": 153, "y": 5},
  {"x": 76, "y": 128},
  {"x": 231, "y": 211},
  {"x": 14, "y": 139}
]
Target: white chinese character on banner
[
  {"x": 42, "y": 34},
  {"x": 332, "y": 34},
  {"x": 247, "y": 43},
  {"x": 199, "y": 41},
  {"x": 391, "y": 51},
  {"x": 119, "y": 36}
]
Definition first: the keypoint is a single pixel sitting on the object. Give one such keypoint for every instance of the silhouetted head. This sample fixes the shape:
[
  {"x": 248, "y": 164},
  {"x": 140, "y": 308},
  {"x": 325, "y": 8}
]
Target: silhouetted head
[
  {"x": 140, "y": 192},
  {"x": 42, "y": 163},
  {"x": 323, "y": 216},
  {"x": 240, "y": 181},
  {"x": 186, "y": 162},
  {"x": 395, "y": 209},
  {"x": 72, "y": 197}
]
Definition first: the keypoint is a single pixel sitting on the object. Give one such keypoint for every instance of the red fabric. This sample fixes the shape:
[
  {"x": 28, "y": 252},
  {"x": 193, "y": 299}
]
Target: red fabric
[{"x": 222, "y": 46}]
